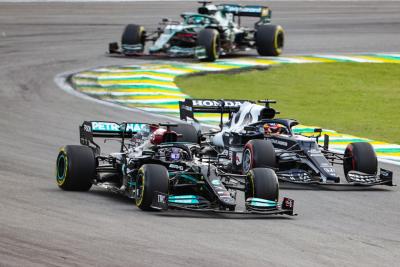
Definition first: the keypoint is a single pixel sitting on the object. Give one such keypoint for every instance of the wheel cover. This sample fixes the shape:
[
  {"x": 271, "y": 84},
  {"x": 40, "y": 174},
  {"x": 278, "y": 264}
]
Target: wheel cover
[
  {"x": 140, "y": 187},
  {"x": 279, "y": 40},
  {"x": 250, "y": 190},
  {"x": 215, "y": 47},
  {"x": 247, "y": 161},
  {"x": 62, "y": 168}
]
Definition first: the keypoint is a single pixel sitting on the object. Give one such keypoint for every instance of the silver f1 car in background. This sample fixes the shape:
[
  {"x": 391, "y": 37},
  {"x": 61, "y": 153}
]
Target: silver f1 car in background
[
  {"x": 213, "y": 31},
  {"x": 253, "y": 137}
]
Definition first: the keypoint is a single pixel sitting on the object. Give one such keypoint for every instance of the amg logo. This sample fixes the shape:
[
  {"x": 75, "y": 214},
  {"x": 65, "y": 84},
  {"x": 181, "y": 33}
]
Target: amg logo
[
  {"x": 214, "y": 103},
  {"x": 176, "y": 167},
  {"x": 278, "y": 142}
]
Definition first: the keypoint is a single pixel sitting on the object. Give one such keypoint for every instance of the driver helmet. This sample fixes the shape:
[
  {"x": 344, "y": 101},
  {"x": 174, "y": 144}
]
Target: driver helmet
[
  {"x": 196, "y": 19},
  {"x": 175, "y": 154},
  {"x": 273, "y": 128}
]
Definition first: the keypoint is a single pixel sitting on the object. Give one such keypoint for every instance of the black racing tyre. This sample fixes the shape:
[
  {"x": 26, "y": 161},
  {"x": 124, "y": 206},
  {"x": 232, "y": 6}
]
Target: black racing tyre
[
  {"x": 270, "y": 40},
  {"x": 258, "y": 153},
  {"x": 75, "y": 168},
  {"x": 133, "y": 34},
  {"x": 188, "y": 132},
  {"x": 151, "y": 178},
  {"x": 209, "y": 39},
  {"x": 360, "y": 157},
  {"x": 262, "y": 183}
]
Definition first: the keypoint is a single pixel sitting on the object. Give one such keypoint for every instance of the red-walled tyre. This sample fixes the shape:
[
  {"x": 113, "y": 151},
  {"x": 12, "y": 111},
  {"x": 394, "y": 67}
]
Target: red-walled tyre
[{"x": 360, "y": 157}]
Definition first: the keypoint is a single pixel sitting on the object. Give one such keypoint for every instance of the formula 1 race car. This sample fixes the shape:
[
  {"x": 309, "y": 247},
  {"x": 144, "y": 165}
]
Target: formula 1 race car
[
  {"x": 213, "y": 31},
  {"x": 253, "y": 138},
  {"x": 160, "y": 168}
]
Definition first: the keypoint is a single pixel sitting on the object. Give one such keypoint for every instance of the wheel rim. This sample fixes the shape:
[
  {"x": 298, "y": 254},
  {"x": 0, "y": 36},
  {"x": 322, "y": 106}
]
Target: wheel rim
[
  {"x": 250, "y": 191},
  {"x": 142, "y": 37},
  {"x": 216, "y": 46},
  {"x": 350, "y": 163},
  {"x": 247, "y": 161},
  {"x": 62, "y": 164},
  {"x": 139, "y": 188},
  {"x": 279, "y": 40}
]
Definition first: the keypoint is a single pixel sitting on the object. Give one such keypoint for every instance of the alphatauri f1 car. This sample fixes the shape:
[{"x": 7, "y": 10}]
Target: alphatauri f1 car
[
  {"x": 253, "y": 138},
  {"x": 160, "y": 167},
  {"x": 213, "y": 31}
]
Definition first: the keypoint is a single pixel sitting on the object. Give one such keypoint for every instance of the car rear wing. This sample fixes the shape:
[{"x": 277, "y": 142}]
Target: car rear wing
[
  {"x": 246, "y": 11},
  {"x": 107, "y": 129},
  {"x": 188, "y": 107}
]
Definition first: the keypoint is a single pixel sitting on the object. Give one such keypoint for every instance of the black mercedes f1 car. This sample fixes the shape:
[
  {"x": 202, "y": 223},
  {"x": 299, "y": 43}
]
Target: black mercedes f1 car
[
  {"x": 254, "y": 138},
  {"x": 161, "y": 167}
]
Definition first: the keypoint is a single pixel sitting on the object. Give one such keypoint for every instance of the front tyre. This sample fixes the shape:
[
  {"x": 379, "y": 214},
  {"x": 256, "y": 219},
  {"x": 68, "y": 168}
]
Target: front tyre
[
  {"x": 360, "y": 157},
  {"x": 75, "y": 168},
  {"x": 133, "y": 35},
  {"x": 210, "y": 40},
  {"x": 262, "y": 183},
  {"x": 258, "y": 153},
  {"x": 151, "y": 178},
  {"x": 270, "y": 40}
]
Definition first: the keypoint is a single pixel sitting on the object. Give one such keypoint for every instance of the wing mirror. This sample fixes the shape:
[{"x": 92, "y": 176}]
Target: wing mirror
[{"x": 318, "y": 131}]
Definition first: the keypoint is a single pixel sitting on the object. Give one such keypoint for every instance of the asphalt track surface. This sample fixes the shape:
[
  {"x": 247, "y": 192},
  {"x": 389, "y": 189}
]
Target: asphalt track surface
[{"x": 42, "y": 226}]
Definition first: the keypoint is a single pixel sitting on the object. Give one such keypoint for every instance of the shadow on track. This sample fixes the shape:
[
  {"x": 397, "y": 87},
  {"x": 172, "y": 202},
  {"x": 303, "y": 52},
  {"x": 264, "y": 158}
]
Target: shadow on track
[{"x": 336, "y": 188}]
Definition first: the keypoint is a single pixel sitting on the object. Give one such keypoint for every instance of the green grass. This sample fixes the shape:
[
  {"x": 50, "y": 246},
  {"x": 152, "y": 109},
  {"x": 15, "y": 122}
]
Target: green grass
[{"x": 355, "y": 98}]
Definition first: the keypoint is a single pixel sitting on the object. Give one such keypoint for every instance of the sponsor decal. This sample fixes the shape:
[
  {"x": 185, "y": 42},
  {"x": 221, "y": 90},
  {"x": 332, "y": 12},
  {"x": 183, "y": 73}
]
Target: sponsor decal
[
  {"x": 244, "y": 9},
  {"x": 238, "y": 159},
  {"x": 314, "y": 152},
  {"x": 287, "y": 203},
  {"x": 115, "y": 127},
  {"x": 183, "y": 199},
  {"x": 188, "y": 108},
  {"x": 214, "y": 103},
  {"x": 216, "y": 182},
  {"x": 87, "y": 128},
  {"x": 176, "y": 167},
  {"x": 226, "y": 194},
  {"x": 330, "y": 170},
  {"x": 162, "y": 199},
  {"x": 278, "y": 142}
]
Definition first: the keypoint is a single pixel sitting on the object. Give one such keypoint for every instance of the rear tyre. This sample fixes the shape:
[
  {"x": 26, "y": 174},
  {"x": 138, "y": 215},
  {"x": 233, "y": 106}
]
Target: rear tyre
[
  {"x": 262, "y": 183},
  {"x": 258, "y": 153},
  {"x": 269, "y": 40},
  {"x": 75, "y": 168},
  {"x": 133, "y": 35},
  {"x": 209, "y": 39},
  {"x": 360, "y": 157},
  {"x": 151, "y": 178},
  {"x": 188, "y": 132}
]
